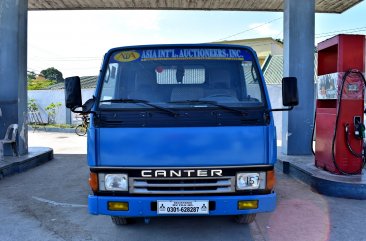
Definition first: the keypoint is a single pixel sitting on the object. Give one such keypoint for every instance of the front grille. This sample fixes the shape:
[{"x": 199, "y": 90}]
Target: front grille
[{"x": 208, "y": 185}]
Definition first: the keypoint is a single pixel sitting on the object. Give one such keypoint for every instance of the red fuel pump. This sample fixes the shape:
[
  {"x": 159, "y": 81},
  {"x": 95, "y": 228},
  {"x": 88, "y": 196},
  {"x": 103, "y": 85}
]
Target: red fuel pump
[{"x": 339, "y": 122}]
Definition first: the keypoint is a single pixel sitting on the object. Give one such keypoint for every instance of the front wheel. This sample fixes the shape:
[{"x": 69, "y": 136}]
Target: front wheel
[
  {"x": 245, "y": 218},
  {"x": 80, "y": 130},
  {"x": 120, "y": 220}
]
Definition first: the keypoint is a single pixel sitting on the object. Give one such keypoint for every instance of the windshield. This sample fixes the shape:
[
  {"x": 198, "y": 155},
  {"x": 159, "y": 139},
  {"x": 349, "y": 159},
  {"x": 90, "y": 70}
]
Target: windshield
[{"x": 176, "y": 77}]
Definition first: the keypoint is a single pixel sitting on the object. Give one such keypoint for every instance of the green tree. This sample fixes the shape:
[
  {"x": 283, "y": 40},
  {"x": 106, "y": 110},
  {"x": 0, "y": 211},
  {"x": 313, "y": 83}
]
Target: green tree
[
  {"x": 35, "y": 84},
  {"x": 51, "y": 110},
  {"x": 31, "y": 75},
  {"x": 32, "y": 105},
  {"x": 279, "y": 40},
  {"x": 52, "y": 74}
]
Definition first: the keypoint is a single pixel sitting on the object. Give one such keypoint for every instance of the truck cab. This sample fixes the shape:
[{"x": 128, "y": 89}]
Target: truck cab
[{"x": 180, "y": 130}]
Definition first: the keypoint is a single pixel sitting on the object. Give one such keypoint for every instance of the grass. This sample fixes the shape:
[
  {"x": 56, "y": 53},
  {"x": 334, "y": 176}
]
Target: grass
[{"x": 61, "y": 126}]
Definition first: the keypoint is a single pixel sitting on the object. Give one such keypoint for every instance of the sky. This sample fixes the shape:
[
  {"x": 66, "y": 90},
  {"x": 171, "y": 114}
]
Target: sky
[{"x": 74, "y": 42}]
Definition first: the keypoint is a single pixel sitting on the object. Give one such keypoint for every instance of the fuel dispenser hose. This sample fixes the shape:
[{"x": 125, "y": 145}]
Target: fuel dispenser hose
[
  {"x": 312, "y": 135},
  {"x": 362, "y": 155}
]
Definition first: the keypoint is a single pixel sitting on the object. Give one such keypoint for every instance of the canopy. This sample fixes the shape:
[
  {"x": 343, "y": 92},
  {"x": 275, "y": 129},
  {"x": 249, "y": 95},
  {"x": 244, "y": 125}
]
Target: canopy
[{"x": 321, "y": 6}]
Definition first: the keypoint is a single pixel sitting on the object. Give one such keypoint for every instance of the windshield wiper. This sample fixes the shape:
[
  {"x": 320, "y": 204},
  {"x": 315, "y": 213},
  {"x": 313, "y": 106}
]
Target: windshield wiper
[
  {"x": 145, "y": 102},
  {"x": 208, "y": 102}
]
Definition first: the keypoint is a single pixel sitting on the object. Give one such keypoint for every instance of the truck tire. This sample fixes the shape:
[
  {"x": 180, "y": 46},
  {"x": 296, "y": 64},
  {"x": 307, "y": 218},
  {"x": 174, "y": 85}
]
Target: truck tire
[
  {"x": 120, "y": 220},
  {"x": 245, "y": 218}
]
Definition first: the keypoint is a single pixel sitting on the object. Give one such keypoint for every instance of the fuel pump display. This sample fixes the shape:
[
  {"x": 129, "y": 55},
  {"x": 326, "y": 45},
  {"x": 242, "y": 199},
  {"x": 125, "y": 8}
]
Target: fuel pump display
[{"x": 339, "y": 125}]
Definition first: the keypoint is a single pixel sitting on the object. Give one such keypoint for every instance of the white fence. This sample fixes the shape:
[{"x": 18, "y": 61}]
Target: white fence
[{"x": 45, "y": 97}]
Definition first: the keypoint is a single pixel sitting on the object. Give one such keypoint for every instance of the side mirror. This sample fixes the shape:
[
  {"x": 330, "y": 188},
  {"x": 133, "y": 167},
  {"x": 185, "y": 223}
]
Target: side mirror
[
  {"x": 73, "y": 96},
  {"x": 73, "y": 92},
  {"x": 290, "y": 96}
]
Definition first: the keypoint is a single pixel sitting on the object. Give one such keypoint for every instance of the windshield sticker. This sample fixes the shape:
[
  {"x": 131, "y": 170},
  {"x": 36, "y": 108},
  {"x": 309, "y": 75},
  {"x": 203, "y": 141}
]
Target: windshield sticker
[
  {"x": 183, "y": 54},
  {"x": 191, "y": 54},
  {"x": 127, "y": 56}
]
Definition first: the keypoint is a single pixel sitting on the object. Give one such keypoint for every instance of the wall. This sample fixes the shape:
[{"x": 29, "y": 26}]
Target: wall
[
  {"x": 276, "y": 48},
  {"x": 45, "y": 97}
]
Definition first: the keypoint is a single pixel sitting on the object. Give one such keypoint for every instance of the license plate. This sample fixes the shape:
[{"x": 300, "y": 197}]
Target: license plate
[{"x": 182, "y": 207}]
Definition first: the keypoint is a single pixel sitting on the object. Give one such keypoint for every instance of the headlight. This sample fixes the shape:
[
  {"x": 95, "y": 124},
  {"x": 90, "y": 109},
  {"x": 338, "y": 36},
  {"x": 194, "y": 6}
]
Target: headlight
[
  {"x": 250, "y": 181},
  {"x": 113, "y": 182}
]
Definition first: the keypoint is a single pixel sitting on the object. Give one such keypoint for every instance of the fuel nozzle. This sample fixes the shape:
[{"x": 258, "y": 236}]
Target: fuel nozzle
[{"x": 359, "y": 128}]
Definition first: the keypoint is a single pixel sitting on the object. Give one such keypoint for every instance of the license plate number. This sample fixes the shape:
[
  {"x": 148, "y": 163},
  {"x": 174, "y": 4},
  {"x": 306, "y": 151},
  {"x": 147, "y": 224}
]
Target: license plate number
[
  {"x": 183, "y": 207},
  {"x": 251, "y": 180}
]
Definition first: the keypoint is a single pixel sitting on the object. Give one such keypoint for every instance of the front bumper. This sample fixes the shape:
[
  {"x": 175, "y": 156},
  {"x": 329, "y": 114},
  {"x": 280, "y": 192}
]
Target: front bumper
[{"x": 142, "y": 206}]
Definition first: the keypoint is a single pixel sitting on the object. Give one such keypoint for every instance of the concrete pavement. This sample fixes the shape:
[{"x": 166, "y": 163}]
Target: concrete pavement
[
  {"x": 49, "y": 203},
  {"x": 61, "y": 143}
]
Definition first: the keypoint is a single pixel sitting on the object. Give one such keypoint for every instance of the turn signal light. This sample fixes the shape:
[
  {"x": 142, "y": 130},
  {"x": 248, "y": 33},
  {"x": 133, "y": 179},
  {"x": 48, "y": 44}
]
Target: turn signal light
[
  {"x": 118, "y": 206},
  {"x": 93, "y": 181},
  {"x": 252, "y": 204},
  {"x": 271, "y": 180}
]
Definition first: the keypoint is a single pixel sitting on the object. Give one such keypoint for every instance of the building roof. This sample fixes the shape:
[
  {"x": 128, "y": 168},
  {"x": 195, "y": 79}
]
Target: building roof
[
  {"x": 322, "y": 6},
  {"x": 86, "y": 82},
  {"x": 262, "y": 46},
  {"x": 254, "y": 41},
  {"x": 273, "y": 69}
]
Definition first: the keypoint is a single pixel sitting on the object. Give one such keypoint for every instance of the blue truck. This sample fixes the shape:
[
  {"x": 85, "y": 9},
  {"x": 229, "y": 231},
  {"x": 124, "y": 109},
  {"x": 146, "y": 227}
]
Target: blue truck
[{"x": 180, "y": 130}]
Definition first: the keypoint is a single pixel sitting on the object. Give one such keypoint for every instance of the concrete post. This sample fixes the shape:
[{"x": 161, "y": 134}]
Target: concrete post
[
  {"x": 13, "y": 70},
  {"x": 299, "y": 31},
  {"x": 68, "y": 116}
]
